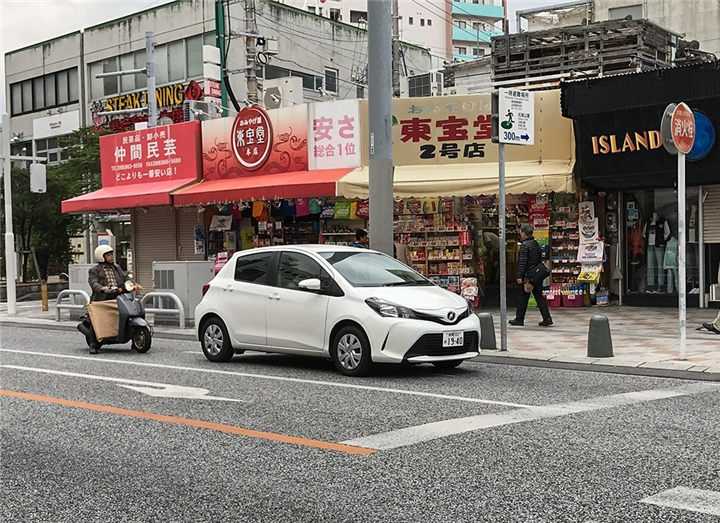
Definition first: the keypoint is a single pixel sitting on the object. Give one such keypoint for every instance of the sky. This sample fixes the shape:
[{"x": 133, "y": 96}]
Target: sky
[{"x": 25, "y": 22}]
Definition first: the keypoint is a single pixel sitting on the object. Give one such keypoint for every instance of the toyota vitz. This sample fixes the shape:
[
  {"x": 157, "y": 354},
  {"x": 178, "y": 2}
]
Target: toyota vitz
[{"x": 355, "y": 306}]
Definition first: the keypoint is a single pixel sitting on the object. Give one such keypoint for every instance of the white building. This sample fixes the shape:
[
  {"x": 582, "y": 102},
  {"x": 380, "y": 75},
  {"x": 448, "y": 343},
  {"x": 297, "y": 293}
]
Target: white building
[{"x": 452, "y": 30}]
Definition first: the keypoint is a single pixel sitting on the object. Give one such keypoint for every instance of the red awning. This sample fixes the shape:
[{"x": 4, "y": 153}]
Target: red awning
[
  {"x": 298, "y": 184},
  {"x": 124, "y": 196}
]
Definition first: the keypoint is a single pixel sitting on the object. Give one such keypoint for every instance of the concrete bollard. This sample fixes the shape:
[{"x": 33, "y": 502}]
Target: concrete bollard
[
  {"x": 599, "y": 338},
  {"x": 487, "y": 331}
]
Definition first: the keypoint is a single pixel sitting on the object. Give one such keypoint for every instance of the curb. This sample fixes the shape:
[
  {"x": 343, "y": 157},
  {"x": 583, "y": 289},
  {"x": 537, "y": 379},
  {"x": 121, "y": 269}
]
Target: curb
[
  {"x": 483, "y": 358},
  {"x": 607, "y": 369}
]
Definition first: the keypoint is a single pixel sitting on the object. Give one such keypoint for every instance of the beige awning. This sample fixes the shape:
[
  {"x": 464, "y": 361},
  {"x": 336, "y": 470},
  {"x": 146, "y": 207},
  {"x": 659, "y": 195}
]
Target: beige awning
[{"x": 417, "y": 181}]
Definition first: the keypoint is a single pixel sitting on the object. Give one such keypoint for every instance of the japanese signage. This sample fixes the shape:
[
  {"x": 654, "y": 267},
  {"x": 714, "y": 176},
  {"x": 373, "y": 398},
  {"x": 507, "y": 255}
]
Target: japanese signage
[
  {"x": 252, "y": 137},
  {"x": 285, "y": 139},
  {"x": 334, "y": 135},
  {"x": 457, "y": 130},
  {"x": 682, "y": 126},
  {"x": 169, "y": 152},
  {"x": 516, "y": 110}
]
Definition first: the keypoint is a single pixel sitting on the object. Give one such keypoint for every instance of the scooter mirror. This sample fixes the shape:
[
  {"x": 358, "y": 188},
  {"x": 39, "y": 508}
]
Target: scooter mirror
[{"x": 129, "y": 286}]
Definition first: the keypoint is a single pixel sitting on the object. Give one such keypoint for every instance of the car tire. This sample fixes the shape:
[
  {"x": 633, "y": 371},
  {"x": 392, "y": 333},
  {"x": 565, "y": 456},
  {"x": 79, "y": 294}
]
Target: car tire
[
  {"x": 141, "y": 339},
  {"x": 350, "y": 352},
  {"x": 215, "y": 341},
  {"x": 447, "y": 365}
]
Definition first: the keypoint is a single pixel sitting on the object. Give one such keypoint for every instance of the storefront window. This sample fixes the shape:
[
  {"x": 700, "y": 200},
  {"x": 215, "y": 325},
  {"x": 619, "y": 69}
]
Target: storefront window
[{"x": 652, "y": 241}]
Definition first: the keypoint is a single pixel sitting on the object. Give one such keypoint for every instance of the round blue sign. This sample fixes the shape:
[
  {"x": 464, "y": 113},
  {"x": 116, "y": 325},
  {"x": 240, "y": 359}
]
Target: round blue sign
[{"x": 704, "y": 137}]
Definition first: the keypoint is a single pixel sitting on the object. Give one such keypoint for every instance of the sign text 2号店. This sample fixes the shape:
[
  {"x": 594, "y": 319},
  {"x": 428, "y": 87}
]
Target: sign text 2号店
[{"x": 166, "y": 96}]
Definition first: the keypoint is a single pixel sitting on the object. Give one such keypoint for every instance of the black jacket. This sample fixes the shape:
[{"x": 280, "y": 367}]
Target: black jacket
[
  {"x": 97, "y": 280},
  {"x": 528, "y": 257}
]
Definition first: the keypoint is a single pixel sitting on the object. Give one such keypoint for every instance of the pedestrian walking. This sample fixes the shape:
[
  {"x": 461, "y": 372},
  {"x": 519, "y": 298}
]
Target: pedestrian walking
[
  {"x": 715, "y": 325},
  {"x": 531, "y": 272}
]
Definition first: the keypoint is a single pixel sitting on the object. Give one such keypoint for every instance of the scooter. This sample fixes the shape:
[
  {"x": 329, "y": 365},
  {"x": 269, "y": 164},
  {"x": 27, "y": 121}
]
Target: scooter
[{"x": 132, "y": 323}]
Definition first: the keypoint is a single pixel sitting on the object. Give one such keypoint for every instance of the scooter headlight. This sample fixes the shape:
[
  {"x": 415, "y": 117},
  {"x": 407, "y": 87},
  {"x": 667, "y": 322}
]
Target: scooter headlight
[{"x": 129, "y": 286}]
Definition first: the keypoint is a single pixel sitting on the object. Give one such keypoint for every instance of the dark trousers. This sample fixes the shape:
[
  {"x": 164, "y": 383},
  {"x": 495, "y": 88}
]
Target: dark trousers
[{"x": 523, "y": 303}]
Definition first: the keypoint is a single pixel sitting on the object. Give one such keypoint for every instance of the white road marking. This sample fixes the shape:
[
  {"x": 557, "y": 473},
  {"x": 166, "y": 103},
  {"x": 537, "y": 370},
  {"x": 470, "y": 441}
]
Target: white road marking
[
  {"x": 683, "y": 498},
  {"x": 440, "y": 429},
  {"x": 278, "y": 378},
  {"x": 160, "y": 390}
]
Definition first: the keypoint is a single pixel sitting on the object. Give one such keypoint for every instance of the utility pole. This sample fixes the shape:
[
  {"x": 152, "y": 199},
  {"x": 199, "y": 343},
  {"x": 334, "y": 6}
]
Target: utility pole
[
  {"x": 10, "y": 255},
  {"x": 251, "y": 34},
  {"x": 395, "y": 49},
  {"x": 380, "y": 114}
]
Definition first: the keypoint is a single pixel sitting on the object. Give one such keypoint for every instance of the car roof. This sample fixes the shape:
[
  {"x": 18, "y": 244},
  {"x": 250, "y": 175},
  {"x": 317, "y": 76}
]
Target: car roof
[{"x": 317, "y": 248}]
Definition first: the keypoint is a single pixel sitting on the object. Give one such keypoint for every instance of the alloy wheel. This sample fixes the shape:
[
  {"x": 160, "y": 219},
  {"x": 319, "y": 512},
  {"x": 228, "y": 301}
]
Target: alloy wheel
[
  {"x": 213, "y": 339},
  {"x": 349, "y": 351}
]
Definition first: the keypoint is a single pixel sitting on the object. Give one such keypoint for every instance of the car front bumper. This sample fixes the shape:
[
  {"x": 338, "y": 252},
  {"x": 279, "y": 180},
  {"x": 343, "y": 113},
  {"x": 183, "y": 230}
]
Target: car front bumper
[{"x": 420, "y": 341}]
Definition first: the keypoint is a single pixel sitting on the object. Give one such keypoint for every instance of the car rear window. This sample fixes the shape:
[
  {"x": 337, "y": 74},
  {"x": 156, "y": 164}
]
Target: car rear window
[{"x": 253, "y": 268}]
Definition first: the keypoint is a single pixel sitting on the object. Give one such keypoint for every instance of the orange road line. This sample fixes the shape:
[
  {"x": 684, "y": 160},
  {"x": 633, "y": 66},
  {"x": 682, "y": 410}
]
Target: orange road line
[{"x": 220, "y": 427}]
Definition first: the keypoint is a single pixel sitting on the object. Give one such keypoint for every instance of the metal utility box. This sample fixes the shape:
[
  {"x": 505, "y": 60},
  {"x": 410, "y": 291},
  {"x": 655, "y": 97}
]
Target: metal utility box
[{"x": 185, "y": 279}]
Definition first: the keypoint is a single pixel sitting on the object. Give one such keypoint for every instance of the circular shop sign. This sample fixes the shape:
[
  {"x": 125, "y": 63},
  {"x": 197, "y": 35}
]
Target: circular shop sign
[
  {"x": 252, "y": 137},
  {"x": 682, "y": 127},
  {"x": 704, "y": 136}
]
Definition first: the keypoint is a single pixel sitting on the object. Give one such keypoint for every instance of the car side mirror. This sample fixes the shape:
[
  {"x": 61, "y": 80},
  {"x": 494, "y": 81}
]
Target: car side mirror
[{"x": 311, "y": 284}]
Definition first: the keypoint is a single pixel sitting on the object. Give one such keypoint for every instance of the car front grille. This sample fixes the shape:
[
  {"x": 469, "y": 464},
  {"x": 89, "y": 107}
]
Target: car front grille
[
  {"x": 431, "y": 345},
  {"x": 442, "y": 321}
]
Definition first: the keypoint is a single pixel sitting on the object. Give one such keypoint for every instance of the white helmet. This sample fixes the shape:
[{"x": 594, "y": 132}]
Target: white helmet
[{"x": 101, "y": 251}]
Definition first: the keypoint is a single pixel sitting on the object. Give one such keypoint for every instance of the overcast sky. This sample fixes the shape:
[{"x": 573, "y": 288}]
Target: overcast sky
[{"x": 25, "y": 22}]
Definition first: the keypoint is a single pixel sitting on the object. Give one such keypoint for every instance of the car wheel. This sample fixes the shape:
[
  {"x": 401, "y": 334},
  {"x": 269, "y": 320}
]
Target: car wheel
[
  {"x": 141, "y": 339},
  {"x": 350, "y": 352},
  {"x": 447, "y": 365},
  {"x": 215, "y": 341}
]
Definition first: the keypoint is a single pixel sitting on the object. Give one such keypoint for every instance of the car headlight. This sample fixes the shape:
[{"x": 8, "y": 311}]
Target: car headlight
[
  {"x": 389, "y": 310},
  {"x": 471, "y": 308}
]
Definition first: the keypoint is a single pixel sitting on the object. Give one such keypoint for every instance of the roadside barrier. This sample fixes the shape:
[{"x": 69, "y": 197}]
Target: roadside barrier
[
  {"x": 179, "y": 309},
  {"x": 67, "y": 305},
  {"x": 487, "y": 331},
  {"x": 599, "y": 338}
]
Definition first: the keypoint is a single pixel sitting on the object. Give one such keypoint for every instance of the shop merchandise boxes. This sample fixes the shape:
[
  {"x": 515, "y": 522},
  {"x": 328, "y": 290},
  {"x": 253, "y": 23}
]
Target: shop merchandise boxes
[
  {"x": 572, "y": 300},
  {"x": 554, "y": 300}
]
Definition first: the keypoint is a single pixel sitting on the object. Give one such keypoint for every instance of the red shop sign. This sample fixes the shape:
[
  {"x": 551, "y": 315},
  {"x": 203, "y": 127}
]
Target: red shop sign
[
  {"x": 167, "y": 152},
  {"x": 252, "y": 137},
  {"x": 682, "y": 126}
]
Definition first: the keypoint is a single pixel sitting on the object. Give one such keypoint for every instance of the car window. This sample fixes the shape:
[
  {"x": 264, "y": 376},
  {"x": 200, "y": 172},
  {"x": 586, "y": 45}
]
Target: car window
[
  {"x": 295, "y": 267},
  {"x": 253, "y": 268},
  {"x": 372, "y": 269}
]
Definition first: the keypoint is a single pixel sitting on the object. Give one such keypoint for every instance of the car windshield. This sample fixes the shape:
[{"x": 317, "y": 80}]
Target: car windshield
[{"x": 371, "y": 269}]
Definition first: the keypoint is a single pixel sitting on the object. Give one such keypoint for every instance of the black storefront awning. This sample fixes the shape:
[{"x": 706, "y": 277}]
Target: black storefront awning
[{"x": 617, "y": 127}]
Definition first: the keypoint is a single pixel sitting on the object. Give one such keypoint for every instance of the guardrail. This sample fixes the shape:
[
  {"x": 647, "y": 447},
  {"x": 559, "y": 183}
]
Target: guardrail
[
  {"x": 70, "y": 306},
  {"x": 180, "y": 310}
]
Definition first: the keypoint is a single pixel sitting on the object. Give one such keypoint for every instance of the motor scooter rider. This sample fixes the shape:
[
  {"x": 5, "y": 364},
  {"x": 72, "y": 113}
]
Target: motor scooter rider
[{"x": 103, "y": 277}]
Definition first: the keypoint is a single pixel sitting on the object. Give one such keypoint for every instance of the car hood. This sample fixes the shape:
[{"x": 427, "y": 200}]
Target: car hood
[{"x": 423, "y": 298}]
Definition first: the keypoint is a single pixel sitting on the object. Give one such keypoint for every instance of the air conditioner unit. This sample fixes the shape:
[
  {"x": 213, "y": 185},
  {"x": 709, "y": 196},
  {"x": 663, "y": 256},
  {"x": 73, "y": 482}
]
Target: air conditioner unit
[
  {"x": 283, "y": 92},
  {"x": 271, "y": 46},
  {"x": 199, "y": 110}
]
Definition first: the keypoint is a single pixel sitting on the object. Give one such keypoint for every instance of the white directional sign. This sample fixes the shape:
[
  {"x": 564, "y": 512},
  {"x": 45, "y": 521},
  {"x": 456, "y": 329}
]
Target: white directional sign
[{"x": 516, "y": 111}]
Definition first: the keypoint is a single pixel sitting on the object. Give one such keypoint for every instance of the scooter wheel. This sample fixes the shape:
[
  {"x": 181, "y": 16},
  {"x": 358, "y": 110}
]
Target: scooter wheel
[{"x": 141, "y": 339}]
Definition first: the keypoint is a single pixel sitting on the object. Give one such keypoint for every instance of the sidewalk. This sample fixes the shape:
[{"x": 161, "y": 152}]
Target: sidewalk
[{"x": 645, "y": 339}]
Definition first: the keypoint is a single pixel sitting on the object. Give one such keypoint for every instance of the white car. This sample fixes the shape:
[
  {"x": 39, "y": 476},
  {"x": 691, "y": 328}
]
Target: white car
[{"x": 355, "y": 306}]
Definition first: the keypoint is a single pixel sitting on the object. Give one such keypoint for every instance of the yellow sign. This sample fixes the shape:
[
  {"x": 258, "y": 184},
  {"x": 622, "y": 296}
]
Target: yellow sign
[
  {"x": 612, "y": 144},
  {"x": 166, "y": 96}
]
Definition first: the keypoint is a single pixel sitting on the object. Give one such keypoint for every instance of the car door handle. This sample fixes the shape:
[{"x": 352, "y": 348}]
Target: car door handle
[{"x": 275, "y": 297}]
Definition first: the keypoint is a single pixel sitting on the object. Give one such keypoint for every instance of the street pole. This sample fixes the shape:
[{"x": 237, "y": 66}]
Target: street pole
[
  {"x": 681, "y": 255},
  {"x": 701, "y": 247},
  {"x": 250, "y": 51},
  {"x": 395, "y": 48},
  {"x": 150, "y": 74},
  {"x": 503, "y": 249},
  {"x": 380, "y": 114},
  {"x": 10, "y": 261}
]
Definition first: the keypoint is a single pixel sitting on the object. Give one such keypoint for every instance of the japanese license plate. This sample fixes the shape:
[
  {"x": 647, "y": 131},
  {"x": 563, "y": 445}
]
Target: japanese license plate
[{"x": 453, "y": 339}]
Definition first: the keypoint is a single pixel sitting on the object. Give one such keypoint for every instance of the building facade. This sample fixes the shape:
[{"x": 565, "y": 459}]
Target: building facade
[{"x": 451, "y": 30}]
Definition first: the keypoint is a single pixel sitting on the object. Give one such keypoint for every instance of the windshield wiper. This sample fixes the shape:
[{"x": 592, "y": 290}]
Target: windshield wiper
[{"x": 413, "y": 282}]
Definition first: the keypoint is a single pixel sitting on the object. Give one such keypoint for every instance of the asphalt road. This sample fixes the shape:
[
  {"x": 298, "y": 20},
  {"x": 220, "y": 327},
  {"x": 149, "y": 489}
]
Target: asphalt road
[{"x": 169, "y": 436}]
